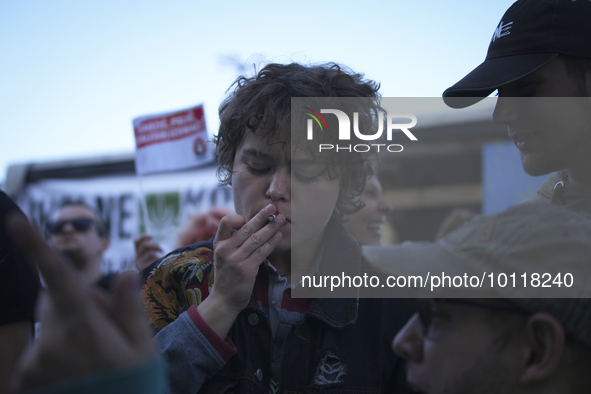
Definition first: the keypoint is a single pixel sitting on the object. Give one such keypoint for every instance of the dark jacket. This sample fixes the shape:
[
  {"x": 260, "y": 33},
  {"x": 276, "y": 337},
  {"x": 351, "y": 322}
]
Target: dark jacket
[
  {"x": 557, "y": 190},
  {"x": 341, "y": 345}
]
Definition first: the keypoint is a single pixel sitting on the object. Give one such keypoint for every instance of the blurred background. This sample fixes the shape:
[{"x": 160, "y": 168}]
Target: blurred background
[{"x": 73, "y": 76}]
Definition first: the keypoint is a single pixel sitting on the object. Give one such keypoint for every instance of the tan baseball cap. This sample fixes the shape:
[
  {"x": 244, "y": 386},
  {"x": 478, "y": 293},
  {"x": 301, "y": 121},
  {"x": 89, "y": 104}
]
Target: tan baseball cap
[{"x": 531, "y": 238}]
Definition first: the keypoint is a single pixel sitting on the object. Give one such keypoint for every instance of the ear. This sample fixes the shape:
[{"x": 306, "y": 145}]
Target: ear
[{"x": 546, "y": 344}]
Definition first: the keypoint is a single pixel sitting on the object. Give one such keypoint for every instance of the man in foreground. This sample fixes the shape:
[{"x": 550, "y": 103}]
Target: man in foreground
[
  {"x": 90, "y": 341},
  {"x": 502, "y": 344},
  {"x": 224, "y": 310},
  {"x": 539, "y": 60}
]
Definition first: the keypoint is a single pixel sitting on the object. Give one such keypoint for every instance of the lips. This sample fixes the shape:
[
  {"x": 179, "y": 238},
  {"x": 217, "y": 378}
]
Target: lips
[
  {"x": 287, "y": 220},
  {"x": 376, "y": 226},
  {"x": 64, "y": 238},
  {"x": 523, "y": 141}
]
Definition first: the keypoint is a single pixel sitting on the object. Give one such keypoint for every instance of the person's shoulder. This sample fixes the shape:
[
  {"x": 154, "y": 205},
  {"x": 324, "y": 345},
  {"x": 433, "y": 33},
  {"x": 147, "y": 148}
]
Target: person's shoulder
[
  {"x": 19, "y": 281},
  {"x": 199, "y": 253},
  {"x": 558, "y": 190},
  {"x": 182, "y": 278}
]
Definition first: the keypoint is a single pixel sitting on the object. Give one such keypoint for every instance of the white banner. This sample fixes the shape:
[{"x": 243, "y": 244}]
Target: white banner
[
  {"x": 171, "y": 199},
  {"x": 172, "y": 141}
]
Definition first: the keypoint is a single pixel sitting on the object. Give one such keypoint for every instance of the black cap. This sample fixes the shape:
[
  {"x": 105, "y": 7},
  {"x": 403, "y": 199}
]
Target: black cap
[{"x": 530, "y": 34}]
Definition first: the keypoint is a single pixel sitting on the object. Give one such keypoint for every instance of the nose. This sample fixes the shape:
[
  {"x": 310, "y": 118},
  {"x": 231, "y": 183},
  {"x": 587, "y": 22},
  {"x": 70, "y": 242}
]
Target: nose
[
  {"x": 505, "y": 110},
  {"x": 408, "y": 343},
  {"x": 68, "y": 227},
  {"x": 384, "y": 205},
  {"x": 280, "y": 185}
]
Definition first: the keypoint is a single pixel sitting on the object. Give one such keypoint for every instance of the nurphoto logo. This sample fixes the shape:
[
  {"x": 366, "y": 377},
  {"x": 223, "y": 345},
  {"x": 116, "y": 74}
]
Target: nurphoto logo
[{"x": 344, "y": 130}]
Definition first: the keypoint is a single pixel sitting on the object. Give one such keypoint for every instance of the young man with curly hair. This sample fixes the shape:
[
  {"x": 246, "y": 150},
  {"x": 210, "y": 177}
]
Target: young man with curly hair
[{"x": 223, "y": 309}]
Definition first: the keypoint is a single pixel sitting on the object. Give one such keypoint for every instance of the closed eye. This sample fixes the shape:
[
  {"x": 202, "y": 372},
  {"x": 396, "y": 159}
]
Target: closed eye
[
  {"x": 258, "y": 169},
  {"x": 308, "y": 172}
]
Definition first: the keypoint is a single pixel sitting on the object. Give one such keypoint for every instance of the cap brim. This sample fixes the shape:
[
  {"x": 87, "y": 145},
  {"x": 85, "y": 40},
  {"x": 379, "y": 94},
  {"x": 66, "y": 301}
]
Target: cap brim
[
  {"x": 427, "y": 261},
  {"x": 410, "y": 258},
  {"x": 492, "y": 74}
]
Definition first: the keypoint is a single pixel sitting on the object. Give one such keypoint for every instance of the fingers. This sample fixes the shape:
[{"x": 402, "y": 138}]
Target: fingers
[
  {"x": 58, "y": 273},
  {"x": 228, "y": 225},
  {"x": 145, "y": 243},
  {"x": 255, "y": 224},
  {"x": 146, "y": 260},
  {"x": 259, "y": 231},
  {"x": 141, "y": 239},
  {"x": 258, "y": 234},
  {"x": 149, "y": 249},
  {"x": 128, "y": 314},
  {"x": 265, "y": 249},
  {"x": 146, "y": 250}
]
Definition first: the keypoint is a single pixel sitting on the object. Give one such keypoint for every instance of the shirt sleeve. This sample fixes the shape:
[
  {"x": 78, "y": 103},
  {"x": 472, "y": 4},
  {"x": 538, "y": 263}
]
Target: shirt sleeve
[
  {"x": 225, "y": 347},
  {"x": 192, "y": 358}
]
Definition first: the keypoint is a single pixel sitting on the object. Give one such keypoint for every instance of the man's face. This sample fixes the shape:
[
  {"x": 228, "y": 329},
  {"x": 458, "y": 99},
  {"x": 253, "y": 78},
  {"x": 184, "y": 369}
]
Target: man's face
[
  {"x": 366, "y": 225},
  {"x": 81, "y": 245},
  {"x": 262, "y": 174},
  {"x": 458, "y": 352},
  {"x": 547, "y": 119}
]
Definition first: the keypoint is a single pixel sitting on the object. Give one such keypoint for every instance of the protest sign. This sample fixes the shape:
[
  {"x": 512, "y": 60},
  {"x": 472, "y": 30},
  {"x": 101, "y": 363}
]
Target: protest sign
[{"x": 172, "y": 141}]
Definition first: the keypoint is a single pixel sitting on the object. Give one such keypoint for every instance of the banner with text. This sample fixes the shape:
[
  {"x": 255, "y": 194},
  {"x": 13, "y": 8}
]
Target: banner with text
[
  {"x": 171, "y": 200},
  {"x": 172, "y": 141}
]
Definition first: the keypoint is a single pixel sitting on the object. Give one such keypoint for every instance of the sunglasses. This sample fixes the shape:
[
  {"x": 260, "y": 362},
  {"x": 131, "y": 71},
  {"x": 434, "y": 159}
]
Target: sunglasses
[
  {"x": 81, "y": 225},
  {"x": 427, "y": 308}
]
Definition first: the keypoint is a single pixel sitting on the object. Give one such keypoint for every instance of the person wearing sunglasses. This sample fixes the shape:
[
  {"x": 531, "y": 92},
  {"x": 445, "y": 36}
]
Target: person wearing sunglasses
[
  {"x": 505, "y": 343},
  {"x": 78, "y": 232}
]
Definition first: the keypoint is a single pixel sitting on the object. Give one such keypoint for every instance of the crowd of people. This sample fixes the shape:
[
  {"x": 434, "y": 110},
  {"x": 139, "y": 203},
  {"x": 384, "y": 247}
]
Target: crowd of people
[{"x": 219, "y": 309}]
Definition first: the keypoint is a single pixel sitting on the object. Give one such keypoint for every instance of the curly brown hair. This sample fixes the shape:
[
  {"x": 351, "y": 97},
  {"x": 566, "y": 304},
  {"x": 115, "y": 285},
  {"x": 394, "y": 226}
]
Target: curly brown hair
[{"x": 262, "y": 104}]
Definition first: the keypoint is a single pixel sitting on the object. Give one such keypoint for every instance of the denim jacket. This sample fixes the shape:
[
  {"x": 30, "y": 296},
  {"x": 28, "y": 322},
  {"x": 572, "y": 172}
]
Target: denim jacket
[{"x": 340, "y": 346}]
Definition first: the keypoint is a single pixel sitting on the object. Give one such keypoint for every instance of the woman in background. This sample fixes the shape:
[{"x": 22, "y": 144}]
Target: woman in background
[{"x": 367, "y": 224}]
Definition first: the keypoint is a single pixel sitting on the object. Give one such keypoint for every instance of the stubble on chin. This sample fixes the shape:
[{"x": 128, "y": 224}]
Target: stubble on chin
[
  {"x": 75, "y": 256},
  {"x": 538, "y": 166},
  {"x": 484, "y": 377}
]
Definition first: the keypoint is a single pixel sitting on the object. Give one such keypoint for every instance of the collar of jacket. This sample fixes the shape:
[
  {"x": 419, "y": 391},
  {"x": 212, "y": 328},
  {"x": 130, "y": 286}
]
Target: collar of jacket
[
  {"x": 340, "y": 248},
  {"x": 559, "y": 191}
]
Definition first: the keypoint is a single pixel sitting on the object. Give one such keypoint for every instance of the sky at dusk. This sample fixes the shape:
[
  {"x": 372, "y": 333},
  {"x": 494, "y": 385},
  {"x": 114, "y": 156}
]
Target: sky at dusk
[{"x": 74, "y": 74}]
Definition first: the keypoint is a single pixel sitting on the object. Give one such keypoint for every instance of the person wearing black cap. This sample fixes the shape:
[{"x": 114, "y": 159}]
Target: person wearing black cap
[{"x": 541, "y": 50}]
